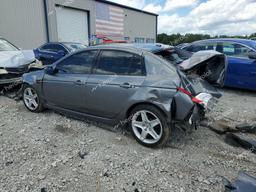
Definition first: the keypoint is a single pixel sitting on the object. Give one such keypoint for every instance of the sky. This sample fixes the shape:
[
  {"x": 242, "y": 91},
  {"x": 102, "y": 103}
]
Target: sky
[{"x": 214, "y": 17}]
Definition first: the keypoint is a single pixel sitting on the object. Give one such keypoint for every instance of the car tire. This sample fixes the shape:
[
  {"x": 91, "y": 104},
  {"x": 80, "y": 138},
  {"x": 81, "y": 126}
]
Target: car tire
[
  {"x": 31, "y": 99},
  {"x": 148, "y": 126}
]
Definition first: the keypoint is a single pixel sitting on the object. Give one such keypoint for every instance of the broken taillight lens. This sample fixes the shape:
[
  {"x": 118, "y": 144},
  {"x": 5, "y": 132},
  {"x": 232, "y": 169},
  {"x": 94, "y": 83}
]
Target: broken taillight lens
[{"x": 202, "y": 98}]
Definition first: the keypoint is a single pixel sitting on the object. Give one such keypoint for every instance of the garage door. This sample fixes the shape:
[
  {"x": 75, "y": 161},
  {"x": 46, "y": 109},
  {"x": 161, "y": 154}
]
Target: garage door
[{"x": 72, "y": 25}]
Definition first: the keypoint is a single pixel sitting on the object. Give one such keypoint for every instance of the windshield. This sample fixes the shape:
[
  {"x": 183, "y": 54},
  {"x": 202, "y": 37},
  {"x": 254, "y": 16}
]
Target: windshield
[
  {"x": 74, "y": 46},
  {"x": 6, "y": 46}
]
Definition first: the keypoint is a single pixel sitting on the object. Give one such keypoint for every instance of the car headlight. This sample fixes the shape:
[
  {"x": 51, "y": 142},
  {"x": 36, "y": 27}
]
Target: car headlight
[{"x": 3, "y": 71}]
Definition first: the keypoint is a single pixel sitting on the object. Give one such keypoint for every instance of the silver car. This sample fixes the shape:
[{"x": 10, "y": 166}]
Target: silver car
[{"x": 119, "y": 85}]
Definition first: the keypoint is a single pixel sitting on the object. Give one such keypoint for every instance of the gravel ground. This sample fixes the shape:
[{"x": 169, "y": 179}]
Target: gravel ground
[{"x": 39, "y": 152}]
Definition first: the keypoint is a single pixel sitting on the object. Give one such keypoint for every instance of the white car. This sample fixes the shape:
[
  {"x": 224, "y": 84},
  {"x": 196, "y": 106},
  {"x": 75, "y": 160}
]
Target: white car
[{"x": 14, "y": 62}]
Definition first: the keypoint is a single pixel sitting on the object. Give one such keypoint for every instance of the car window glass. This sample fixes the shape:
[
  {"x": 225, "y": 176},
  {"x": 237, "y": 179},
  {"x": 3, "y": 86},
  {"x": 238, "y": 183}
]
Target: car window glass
[
  {"x": 80, "y": 63},
  {"x": 53, "y": 47},
  {"x": 210, "y": 46},
  {"x": 196, "y": 47},
  {"x": 156, "y": 65},
  {"x": 6, "y": 46},
  {"x": 236, "y": 50},
  {"x": 74, "y": 46},
  {"x": 119, "y": 63}
]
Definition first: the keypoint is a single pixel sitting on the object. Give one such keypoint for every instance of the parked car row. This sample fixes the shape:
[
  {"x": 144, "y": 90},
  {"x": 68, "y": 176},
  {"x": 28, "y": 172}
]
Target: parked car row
[
  {"x": 150, "y": 87},
  {"x": 14, "y": 62}
]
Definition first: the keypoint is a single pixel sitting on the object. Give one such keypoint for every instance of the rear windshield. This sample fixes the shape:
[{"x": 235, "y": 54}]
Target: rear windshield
[
  {"x": 6, "y": 46},
  {"x": 158, "y": 66}
]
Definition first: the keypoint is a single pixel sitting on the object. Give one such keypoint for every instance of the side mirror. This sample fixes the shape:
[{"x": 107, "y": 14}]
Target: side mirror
[
  {"x": 50, "y": 70},
  {"x": 252, "y": 55},
  {"x": 61, "y": 52}
]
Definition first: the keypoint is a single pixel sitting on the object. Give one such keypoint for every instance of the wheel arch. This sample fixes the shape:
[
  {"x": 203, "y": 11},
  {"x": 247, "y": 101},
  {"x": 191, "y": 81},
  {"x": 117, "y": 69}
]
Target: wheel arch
[{"x": 128, "y": 112}]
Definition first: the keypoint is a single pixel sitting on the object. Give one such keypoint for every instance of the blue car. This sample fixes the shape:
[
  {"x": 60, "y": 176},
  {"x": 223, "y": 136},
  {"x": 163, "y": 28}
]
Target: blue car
[
  {"x": 241, "y": 54},
  {"x": 51, "y": 52}
]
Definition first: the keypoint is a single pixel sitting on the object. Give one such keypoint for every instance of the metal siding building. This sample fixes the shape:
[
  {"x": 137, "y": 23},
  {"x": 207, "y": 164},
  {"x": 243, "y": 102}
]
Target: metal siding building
[{"x": 30, "y": 23}]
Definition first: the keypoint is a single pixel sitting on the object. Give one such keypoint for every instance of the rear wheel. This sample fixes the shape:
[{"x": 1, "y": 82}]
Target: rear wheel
[
  {"x": 149, "y": 126},
  {"x": 31, "y": 99}
]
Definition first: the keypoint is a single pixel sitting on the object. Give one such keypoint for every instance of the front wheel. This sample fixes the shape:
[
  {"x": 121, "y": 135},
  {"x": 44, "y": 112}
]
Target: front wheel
[
  {"x": 31, "y": 99},
  {"x": 149, "y": 126}
]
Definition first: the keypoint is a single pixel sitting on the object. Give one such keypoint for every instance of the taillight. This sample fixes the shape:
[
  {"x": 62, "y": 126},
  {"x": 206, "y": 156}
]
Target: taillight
[
  {"x": 184, "y": 91},
  {"x": 194, "y": 99}
]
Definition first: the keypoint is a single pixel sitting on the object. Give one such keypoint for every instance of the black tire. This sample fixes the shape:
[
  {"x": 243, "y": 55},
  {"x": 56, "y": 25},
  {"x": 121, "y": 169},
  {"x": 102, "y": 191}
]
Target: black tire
[
  {"x": 40, "y": 106},
  {"x": 166, "y": 130}
]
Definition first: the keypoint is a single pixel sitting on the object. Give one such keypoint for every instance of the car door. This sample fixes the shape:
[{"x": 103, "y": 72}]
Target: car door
[
  {"x": 241, "y": 70},
  {"x": 50, "y": 53},
  {"x": 115, "y": 79},
  {"x": 66, "y": 87}
]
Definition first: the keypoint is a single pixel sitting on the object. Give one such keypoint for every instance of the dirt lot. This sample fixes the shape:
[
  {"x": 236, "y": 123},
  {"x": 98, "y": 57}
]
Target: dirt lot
[{"x": 39, "y": 152}]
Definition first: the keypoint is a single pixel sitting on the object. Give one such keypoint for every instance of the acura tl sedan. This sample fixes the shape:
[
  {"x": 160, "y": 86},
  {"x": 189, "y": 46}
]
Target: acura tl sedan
[{"x": 117, "y": 85}]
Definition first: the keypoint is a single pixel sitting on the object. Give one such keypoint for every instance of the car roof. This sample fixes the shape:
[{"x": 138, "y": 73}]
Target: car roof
[
  {"x": 120, "y": 46},
  {"x": 62, "y": 43},
  {"x": 247, "y": 42},
  {"x": 151, "y": 47}
]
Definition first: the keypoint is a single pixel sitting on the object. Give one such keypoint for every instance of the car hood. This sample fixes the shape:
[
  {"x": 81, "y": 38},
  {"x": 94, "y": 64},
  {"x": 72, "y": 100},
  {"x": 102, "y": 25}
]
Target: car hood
[
  {"x": 12, "y": 59},
  {"x": 209, "y": 65}
]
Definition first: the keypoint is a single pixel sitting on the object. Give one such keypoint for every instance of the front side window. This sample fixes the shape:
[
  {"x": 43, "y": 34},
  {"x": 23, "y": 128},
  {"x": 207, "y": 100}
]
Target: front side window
[
  {"x": 235, "y": 50},
  {"x": 119, "y": 63},
  {"x": 80, "y": 63}
]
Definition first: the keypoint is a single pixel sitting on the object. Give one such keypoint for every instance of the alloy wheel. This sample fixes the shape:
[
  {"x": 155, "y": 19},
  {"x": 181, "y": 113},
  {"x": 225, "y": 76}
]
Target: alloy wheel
[
  {"x": 30, "y": 98},
  {"x": 147, "y": 127}
]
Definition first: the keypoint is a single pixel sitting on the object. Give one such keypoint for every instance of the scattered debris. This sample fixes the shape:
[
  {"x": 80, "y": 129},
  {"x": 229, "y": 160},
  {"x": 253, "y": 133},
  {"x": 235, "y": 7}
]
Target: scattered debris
[
  {"x": 106, "y": 174},
  {"x": 43, "y": 189},
  {"x": 243, "y": 183},
  {"x": 82, "y": 154},
  {"x": 220, "y": 127},
  {"x": 246, "y": 141},
  {"x": 246, "y": 128},
  {"x": 8, "y": 163}
]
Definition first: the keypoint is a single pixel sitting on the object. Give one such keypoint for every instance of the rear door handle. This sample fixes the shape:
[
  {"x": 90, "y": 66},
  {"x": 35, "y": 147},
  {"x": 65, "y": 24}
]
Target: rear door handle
[
  {"x": 78, "y": 82},
  {"x": 126, "y": 85}
]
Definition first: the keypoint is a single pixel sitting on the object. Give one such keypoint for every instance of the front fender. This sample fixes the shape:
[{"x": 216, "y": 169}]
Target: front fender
[{"x": 34, "y": 79}]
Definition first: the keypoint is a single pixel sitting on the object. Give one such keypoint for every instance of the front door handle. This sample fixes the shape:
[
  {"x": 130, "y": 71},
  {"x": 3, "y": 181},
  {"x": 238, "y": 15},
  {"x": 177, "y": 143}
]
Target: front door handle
[
  {"x": 126, "y": 85},
  {"x": 78, "y": 82},
  {"x": 253, "y": 73}
]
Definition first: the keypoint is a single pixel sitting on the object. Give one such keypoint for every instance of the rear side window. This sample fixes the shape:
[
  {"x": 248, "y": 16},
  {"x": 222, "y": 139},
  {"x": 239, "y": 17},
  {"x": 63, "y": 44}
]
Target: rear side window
[
  {"x": 119, "y": 63},
  {"x": 80, "y": 63},
  {"x": 155, "y": 65}
]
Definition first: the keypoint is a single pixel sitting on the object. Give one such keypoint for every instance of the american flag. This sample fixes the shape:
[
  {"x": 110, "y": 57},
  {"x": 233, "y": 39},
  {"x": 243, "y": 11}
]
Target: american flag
[{"x": 109, "y": 20}]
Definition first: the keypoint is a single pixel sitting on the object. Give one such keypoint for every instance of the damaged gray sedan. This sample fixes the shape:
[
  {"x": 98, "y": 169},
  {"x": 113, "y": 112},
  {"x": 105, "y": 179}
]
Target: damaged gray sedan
[{"x": 118, "y": 85}]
